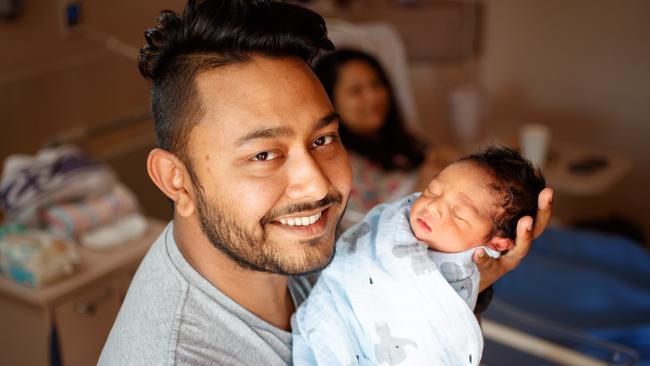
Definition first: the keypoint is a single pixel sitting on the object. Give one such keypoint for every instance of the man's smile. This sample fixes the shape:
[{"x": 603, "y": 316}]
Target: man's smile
[
  {"x": 301, "y": 220},
  {"x": 308, "y": 224}
]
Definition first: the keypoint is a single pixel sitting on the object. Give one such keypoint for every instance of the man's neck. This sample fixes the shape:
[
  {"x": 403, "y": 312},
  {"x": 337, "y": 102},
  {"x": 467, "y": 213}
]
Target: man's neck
[{"x": 263, "y": 294}]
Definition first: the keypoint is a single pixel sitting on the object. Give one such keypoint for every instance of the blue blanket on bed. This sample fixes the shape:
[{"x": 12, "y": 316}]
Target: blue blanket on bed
[{"x": 597, "y": 283}]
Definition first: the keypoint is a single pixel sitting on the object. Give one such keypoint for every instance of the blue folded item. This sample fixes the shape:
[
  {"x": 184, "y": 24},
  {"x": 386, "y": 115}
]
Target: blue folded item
[{"x": 594, "y": 282}]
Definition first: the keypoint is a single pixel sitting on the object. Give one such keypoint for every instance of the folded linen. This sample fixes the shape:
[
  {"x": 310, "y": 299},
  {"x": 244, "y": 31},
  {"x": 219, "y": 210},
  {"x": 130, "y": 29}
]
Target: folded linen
[
  {"x": 53, "y": 175},
  {"x": 77, "y": 217},
  {"x": 116, "y": 233},
  {"x": 35, "y": 258}
]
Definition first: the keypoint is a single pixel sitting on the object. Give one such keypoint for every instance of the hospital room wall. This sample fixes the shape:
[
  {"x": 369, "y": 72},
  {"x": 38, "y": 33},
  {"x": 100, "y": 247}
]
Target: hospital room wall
[
  {"x": 52, "y": 83},
  {"x": 583, "y": 68},
  {"x": 580, "y": 66}
]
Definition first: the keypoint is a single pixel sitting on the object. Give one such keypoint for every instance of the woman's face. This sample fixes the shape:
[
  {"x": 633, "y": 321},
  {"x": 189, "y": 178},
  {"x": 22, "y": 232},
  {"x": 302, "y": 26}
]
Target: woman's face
[{"x": 361, "y": 98}]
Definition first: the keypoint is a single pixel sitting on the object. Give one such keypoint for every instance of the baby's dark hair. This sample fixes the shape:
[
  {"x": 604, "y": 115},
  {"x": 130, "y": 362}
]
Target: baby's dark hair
[
  {"x": 213, "y": 33},
  {"x": 515, "y": 181}
]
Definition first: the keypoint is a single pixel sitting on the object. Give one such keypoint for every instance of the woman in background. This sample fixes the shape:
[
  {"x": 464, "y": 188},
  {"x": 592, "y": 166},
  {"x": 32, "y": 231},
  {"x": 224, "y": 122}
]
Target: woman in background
[
  {"x": 599, "y": 283},
  {"x": 387, "y": 160}
]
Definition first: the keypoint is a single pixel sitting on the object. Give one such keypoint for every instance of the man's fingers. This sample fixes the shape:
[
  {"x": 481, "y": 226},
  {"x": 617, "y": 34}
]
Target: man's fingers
[
  {"x": 480, "y": 257},
  {"x": 523, "y": 240},
  {"x": 488, "y": 267},
  {"x": 492, "y": 269},
  {"x": 544, "y": 208}
]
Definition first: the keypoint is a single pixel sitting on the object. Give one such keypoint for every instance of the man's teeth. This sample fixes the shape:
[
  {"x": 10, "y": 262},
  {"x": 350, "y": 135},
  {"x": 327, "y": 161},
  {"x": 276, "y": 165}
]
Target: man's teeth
[{"x": 301, "y": 221}]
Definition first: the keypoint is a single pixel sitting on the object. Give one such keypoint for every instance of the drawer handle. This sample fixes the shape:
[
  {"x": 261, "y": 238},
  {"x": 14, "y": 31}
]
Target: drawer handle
[
  {"x": 84, "y": 309},
  {"x": 89, "y": 308}
]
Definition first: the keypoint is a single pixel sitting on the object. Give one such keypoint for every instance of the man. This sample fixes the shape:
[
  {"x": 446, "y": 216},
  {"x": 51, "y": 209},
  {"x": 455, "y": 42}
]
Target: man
[{"x": 250, "y": 156}]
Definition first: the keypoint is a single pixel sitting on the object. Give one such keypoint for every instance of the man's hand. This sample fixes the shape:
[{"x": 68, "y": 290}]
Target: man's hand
[{"x": 492, "y": 269}]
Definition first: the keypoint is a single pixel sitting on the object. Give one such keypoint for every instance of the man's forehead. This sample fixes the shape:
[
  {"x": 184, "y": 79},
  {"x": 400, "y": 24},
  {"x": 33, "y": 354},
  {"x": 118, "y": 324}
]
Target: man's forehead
[
  {"x": 261, "y": 84},
  {"x": 255, "y": 72},
  {"x": 261, "y": 97}
]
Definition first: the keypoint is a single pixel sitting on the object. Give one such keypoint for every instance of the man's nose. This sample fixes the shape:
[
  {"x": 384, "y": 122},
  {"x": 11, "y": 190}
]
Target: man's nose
[{"x": 306, "y": 179}]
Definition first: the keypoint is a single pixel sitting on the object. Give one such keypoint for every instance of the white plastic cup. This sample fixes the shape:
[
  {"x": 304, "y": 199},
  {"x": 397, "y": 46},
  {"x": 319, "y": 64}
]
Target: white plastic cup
[
  {"x": 534, "y": 140},
  {"x": 467, "y": 107}
]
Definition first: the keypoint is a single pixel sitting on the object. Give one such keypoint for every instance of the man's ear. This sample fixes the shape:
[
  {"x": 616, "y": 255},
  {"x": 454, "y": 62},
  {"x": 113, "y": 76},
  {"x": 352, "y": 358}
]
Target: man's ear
[
  {"x": 500, "y": 243},
  {"x": 171, "y": 176}
]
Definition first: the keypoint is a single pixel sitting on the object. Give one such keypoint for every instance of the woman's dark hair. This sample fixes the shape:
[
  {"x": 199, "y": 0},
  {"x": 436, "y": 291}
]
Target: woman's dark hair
[
  {"x": 515, "y": 181},
  {"x": 213, "y": 33},
  {"x": 393, "y": 148}
]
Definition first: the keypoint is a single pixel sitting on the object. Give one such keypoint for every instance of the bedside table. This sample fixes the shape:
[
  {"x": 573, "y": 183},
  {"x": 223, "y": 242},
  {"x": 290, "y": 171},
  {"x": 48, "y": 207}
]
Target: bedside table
[
  {"x": 560, "y": 176},
  {"x": 80, "y": 309}
]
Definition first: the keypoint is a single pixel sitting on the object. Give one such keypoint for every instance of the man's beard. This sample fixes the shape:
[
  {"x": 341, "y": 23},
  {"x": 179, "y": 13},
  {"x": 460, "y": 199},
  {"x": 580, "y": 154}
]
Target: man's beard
[{"x": 258, "y": 253}]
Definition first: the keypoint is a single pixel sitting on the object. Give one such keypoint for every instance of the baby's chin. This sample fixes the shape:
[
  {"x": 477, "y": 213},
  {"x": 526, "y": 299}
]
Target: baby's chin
[
  {"x": 429, "y": 242},
  {"x": 434, "y": 245}
]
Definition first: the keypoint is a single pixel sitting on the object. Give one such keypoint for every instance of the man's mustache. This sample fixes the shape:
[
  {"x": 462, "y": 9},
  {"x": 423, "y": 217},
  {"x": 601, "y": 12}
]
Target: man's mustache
[{"x": 333, "y": 197}]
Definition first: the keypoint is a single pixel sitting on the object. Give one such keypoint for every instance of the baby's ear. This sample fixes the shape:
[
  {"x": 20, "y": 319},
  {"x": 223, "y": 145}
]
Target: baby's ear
[{"x": 500, "y": 243}]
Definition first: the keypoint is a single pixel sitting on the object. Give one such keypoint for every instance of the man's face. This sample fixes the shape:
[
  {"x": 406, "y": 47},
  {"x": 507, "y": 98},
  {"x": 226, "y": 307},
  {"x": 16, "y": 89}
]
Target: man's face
[
  {"x": 456, "y": 210},
  {"x": 271, "y": 175}
]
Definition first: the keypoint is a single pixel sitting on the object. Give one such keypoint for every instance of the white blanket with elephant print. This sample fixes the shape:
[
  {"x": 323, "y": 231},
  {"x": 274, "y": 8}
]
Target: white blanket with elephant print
[{"x": 386, "y": 299}]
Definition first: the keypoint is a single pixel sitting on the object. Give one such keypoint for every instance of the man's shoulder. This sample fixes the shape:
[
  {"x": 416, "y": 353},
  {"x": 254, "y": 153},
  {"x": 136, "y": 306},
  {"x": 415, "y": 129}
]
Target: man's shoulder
[
  {"x": 173, "y": 316},
  {"x": 145, "y": 327}
]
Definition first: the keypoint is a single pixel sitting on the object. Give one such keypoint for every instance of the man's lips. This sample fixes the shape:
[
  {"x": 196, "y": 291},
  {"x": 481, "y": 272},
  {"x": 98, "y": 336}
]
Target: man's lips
[
  {"x": 311, "y": 229},
  {"x": 302, "y": 218}
]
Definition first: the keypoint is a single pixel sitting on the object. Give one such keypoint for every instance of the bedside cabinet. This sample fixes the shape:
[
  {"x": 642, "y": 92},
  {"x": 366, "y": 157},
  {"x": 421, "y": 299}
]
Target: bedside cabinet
[{"x": 78, "y": 311}]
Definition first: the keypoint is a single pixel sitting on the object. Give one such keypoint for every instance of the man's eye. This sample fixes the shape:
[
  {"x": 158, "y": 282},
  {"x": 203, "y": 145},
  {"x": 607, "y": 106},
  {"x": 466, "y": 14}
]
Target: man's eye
[
  {"x": 324, "y": 140},
  {"x": 265, "y": 156}
]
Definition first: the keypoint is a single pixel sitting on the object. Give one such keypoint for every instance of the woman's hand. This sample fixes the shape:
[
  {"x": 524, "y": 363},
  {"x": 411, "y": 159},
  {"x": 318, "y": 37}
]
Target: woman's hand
[{"x": 492, "y": 269}]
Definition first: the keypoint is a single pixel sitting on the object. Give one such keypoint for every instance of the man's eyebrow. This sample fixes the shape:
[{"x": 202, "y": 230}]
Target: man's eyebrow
[
  {"x": 327, "y": 120},
  {"x": 264, "y": 133},
  {"x": 275, "y": 132}
]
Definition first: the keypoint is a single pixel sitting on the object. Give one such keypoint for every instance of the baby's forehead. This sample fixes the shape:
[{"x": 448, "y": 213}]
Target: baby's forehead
[
  {"x": 466, "y": 172},
  {"x": 468, "y": 179}
]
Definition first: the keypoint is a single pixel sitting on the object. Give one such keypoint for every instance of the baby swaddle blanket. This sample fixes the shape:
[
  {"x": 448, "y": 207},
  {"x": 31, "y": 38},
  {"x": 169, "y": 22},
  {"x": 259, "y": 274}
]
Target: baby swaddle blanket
[{"x": 387, "y": 299}]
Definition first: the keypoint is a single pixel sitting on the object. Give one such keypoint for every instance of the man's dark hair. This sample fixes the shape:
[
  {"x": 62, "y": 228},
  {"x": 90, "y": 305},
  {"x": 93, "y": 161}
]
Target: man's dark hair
[
  {"x": 213, "y": 33},
  {"x": 394, "y": 148},
  {"x": 517, "y": 183}
]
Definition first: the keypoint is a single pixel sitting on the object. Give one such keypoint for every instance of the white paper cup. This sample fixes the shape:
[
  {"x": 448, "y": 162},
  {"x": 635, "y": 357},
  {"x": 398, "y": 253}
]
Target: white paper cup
[
  {"x": 534, "y": 140},
  {"x": 467, "y": 107}
]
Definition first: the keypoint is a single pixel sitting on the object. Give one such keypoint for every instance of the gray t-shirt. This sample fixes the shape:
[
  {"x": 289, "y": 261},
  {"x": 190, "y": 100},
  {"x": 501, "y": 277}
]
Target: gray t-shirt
[{"x": 174, "y": 316}]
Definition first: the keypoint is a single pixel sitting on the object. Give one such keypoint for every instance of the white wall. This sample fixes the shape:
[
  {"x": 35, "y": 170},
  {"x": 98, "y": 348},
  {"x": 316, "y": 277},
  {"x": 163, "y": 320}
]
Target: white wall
[{"x": 582, "y": 67}]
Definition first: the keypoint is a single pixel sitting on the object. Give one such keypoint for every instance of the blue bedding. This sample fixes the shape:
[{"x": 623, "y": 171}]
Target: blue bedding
[{"x": 590, "y": 281}]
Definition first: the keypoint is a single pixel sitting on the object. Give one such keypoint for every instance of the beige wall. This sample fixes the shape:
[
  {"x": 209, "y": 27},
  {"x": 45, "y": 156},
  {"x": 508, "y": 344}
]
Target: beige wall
[
  {"x": 583, "y": 68},
  {"x": 51, "y": 83}
]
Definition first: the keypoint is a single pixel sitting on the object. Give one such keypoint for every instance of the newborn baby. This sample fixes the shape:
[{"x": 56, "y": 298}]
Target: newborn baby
[{"x": 402, "y": 285}]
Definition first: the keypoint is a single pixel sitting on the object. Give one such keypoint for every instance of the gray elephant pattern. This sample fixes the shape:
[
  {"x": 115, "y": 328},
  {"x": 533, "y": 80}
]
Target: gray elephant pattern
[
  {"x": 390, "y": 349},
  {"x": 353, "y": 238},
  {"x": 459, "y": 279},
  {"x": 417, "y": 253}
]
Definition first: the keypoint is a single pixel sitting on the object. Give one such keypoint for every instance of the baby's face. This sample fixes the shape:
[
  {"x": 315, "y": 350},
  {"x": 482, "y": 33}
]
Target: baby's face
[{"x": 454, "y": 213}]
